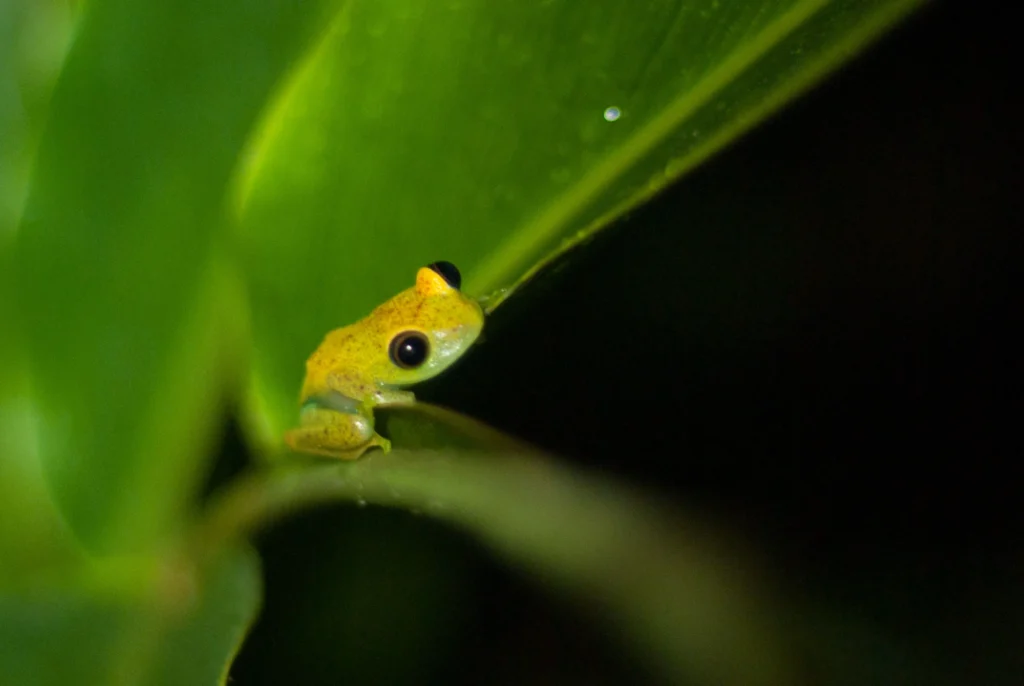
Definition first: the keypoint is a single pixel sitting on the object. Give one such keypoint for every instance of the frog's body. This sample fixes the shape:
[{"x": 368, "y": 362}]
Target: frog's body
[{"x": 412, "y": 337}]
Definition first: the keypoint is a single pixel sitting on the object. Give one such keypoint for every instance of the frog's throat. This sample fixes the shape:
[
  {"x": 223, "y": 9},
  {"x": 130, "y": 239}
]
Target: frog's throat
[{"x": 333, "y": 400}]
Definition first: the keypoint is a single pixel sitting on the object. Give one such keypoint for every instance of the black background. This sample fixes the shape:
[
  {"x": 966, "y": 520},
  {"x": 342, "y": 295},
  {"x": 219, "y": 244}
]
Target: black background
[{"x": 813, "y": 338}]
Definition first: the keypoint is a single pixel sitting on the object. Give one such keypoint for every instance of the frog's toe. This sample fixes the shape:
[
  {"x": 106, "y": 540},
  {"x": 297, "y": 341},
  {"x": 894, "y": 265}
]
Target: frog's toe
[{"x": 379, "y": 441}]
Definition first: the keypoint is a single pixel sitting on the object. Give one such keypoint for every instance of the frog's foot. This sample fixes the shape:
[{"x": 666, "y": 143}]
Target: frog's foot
[
  {"x": 340, "y": 435},
  {"x": 304, "y": 440}
]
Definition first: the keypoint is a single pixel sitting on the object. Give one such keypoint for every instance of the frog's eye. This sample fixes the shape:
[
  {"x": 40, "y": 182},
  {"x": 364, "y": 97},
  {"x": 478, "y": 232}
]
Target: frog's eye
[
  {"x": 447, "y": 271},
  {"x": 409, "y": 349}
]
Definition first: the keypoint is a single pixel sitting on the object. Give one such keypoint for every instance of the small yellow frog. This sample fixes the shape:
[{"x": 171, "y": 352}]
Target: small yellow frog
[{"x": 412, "y": 337}]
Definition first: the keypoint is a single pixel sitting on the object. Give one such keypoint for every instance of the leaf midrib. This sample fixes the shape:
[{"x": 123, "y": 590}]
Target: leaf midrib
[{"x": 501, "y": 267}]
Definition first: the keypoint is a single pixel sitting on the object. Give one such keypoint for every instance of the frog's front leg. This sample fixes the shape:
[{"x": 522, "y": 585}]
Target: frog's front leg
[
  {"x": 391, "y": 396},
  {"x": 342, "y": 389},
  {"x": 340, "y": 434}
]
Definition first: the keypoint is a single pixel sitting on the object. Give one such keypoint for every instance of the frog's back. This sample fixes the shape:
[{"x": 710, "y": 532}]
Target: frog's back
[{"x": 336, "y": 356}]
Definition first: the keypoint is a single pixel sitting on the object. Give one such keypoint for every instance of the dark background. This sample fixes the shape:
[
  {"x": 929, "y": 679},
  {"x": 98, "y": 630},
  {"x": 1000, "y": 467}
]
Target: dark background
[{"x": 813, "y": 339}]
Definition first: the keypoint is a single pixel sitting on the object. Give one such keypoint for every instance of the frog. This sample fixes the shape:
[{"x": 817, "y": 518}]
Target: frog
[{"x": 412, "y": 337}]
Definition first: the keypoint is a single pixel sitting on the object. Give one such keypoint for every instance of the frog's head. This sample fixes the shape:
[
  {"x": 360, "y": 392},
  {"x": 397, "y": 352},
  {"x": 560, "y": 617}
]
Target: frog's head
[{"x": 427, "y": 327}]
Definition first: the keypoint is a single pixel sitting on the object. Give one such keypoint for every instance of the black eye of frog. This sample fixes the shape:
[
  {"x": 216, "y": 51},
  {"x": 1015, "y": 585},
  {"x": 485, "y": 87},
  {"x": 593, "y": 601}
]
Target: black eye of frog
[
  {"x": 447, "y": 271},
  {"x": 409, "y": 349}
]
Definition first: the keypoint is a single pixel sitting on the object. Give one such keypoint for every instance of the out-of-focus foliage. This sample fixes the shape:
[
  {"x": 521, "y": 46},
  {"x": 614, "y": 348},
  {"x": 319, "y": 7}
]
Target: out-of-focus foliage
[
  {"x": 33, "y": 39},
  {"x": 215, "y": 184},
  {"x": 130, "y": 315},
  {"x": 670, "y": 582},
  {"x": 158, "y": 625},
  {"x": 34, "y": 36}
]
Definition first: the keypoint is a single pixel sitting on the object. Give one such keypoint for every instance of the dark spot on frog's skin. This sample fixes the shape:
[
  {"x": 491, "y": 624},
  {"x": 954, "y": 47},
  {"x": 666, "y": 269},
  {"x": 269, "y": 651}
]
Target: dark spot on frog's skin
[{"x": 447, "y": 271}]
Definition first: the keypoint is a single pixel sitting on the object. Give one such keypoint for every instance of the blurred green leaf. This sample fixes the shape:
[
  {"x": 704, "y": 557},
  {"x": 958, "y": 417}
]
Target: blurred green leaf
[
  {"x": 33, "y": 537},
  {"x": 482, "y": 133},
  {"x": 198, "y": 646},
  {"x": 34, "y": 36},
  {"x": 425, "y": 426},
  {"x": 62, "y": 638},
  {"x": 178, "y": 630},
  {"x": 677, "y": 590},
  {"x": 126, "y": 311}
]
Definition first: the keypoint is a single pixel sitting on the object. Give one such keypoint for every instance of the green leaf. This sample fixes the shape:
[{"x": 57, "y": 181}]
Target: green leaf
[
  {"x": 62, "y": 638},
  {"x": 34, "y": 37},
  {"x": 130, "y": 320},
  {"x": 151, "y": 629},
  {"x": 198, "y": 646},
  {"x": 425, "y": 426},
  {"x": 477, "y": 132},
  {"x": 32, "y": 536},
  {"x": 677, "y": 590}
]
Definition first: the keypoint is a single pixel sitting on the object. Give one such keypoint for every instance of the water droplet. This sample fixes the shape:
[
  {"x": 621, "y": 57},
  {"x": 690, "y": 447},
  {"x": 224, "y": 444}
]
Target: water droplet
[
  {"x": 361, "y": 502},
  {"x": 612, "y": 113}
]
